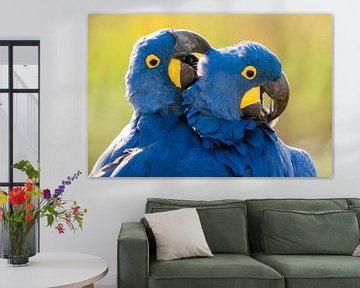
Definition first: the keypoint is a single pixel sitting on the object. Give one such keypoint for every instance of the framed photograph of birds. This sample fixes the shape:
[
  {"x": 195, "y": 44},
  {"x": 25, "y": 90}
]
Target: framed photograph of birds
[{"x": 210, "y": 95}]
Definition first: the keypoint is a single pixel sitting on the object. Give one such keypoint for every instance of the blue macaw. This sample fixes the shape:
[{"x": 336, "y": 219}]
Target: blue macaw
[
  {"x": 225, "y": 107},
  {"x": 158, "y": 141}
]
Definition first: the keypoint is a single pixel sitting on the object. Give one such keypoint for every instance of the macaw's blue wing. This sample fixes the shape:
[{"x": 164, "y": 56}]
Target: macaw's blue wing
[
  {"x": 298, "y": 161},
  {"x": 302, "y": 163},
  {"x": 257, "y": 155},
  {"x": 128, "y": 138},
  {"x": 173, "y": 151}
]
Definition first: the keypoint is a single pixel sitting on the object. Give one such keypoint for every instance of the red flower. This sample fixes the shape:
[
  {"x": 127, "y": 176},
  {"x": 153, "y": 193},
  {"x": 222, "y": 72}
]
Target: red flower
[
  {"x": 60, "y": 228},
  {"x": 27, "y": 196},
  {"x": 75, "y": 209},
  {"x": 29, "y": 206},
  {"x": 29, "y": 187},
  {"x": 29, "y": 217},
  {"x": 68, "y": 219},
  {"x": 17, "y": 196}
]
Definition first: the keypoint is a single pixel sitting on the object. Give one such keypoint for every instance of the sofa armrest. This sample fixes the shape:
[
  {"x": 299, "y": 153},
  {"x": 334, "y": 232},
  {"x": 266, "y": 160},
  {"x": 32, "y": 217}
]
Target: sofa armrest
[{"x": 133, "y": 256}]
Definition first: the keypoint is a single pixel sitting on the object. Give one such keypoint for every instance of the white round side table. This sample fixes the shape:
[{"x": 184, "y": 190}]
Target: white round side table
[{"x": 50, "y": 270}]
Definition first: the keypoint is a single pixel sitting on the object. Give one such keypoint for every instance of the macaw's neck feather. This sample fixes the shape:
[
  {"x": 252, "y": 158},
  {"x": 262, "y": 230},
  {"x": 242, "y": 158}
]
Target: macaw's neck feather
[
  {"x": 247, "y": 149},
  {"x": 152, "y": 127}
]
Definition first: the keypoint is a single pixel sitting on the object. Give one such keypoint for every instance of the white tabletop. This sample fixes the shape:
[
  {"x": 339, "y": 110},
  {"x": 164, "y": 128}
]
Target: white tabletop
[{"x": 54, "y": 270}]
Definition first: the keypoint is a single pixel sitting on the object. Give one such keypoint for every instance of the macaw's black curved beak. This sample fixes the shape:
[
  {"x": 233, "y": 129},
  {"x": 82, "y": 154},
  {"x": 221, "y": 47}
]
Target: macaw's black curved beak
[
  {"x": 188, "y": 42},
  {"x": 252, "y": 103},
  {"x": 279, "y": 92},
  {"x": 189, "y": 48}
]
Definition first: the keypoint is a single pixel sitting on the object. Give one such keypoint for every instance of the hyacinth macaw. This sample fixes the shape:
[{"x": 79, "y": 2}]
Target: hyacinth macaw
[
  {"x": 225, "y": 107},
  {"x": 158, "y": 141}
]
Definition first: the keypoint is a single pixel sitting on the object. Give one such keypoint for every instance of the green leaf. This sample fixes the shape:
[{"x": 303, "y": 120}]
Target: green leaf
[
  {"x": 79, "y": 221},
  {"x": 26, "y": 167},
  {"x": 50, "y": 219},
  {"x": 52, "y": 211}
]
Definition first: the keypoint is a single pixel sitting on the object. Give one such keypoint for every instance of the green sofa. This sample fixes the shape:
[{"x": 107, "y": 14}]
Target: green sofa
[{"x": 234, "y": 230}]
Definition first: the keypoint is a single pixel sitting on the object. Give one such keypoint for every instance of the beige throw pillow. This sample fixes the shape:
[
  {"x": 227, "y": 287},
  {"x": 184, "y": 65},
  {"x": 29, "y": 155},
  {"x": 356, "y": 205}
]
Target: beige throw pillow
[
  {"x": 357, "y": 251},
  {"x": 178, "y": 234}
]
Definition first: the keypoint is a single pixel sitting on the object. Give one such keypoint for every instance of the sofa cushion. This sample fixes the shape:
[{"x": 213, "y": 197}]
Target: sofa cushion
[
  {"x": 223, "y": 221},
  {"x": 254, "y": 217},
  {"x": 353, "y": 201},
  {"x": 314, "y": 271},
  {"x": 222, "y": 270},
  {"x": 356, "y": 209},
  {"x": 178, "y": 234},
  {"x": 297, "y": 232}
]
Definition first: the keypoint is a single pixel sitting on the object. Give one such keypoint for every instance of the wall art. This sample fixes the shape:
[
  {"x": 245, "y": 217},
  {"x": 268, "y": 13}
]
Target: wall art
[{"x": 210, "y": 95}]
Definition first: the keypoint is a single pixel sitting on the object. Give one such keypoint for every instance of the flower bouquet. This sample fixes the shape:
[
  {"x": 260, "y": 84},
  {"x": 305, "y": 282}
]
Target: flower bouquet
[{"x": 21, "y": 208}]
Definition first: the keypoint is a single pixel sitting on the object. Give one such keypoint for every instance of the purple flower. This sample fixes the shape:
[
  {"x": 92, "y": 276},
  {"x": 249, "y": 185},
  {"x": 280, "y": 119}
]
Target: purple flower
[
  {"x": 46, "y": 194},
  {"x": 68, "y": 181},
  {"x": 58, "y": 192}
]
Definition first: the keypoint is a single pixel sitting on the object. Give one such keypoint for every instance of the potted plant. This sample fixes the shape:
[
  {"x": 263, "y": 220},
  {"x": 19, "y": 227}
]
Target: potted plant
[{"x": 21, "y": 208}]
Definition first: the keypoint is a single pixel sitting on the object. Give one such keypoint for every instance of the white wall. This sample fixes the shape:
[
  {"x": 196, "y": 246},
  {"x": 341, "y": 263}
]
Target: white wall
[{"x": 61, "y": 25}]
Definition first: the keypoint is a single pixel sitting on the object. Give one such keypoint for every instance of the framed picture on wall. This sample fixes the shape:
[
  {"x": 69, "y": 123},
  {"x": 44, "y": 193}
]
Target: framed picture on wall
[{"x": 210, "y": 95}]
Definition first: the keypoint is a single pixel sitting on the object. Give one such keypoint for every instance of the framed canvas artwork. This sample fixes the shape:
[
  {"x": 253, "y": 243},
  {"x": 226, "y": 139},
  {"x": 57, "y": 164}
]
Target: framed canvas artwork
[{"x": 210, "y": 95}]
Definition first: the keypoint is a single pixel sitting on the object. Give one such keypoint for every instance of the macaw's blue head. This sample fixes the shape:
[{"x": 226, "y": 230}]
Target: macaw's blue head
[
  {"x": 161, "y": 66},
  {"x": 233, "y": 80}
]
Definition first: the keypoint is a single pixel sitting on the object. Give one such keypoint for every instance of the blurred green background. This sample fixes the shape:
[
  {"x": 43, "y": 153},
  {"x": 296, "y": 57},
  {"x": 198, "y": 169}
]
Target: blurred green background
[{"x": 303, "y": 43}]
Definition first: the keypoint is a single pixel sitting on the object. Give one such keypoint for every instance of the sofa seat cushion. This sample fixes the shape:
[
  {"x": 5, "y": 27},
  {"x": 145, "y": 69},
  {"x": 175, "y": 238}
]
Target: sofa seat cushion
[
  {"x": 315, "y": 271},
  {"x": 222, "y": 270}
]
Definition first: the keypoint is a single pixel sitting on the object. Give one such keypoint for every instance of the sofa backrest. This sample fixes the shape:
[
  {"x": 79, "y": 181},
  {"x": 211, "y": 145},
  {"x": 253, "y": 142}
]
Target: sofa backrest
[
  {"x": 223, "y": 221},
  {"x": 256, "y": 205},
  {"x": 353, "y": 202},
  {"x": 354, "y": 205}
]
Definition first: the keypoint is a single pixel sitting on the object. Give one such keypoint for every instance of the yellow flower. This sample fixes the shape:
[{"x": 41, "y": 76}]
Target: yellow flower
[{"x": 3, "y": 198}]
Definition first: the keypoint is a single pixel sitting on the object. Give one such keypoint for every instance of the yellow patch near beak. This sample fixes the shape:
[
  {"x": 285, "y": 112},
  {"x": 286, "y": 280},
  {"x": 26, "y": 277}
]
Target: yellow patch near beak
[
  {"x": 174, "y": 70},
  {"x": 251, "y": 96}
]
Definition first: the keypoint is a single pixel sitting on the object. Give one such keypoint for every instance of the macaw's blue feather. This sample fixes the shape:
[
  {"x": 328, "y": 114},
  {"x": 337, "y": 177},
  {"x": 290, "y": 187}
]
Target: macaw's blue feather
[
  {"x": 238, "y": 144},
  {"x": 220, "y": 131},
  {"x": 161, "y": 146},
  {"x": 128, "y": 138},
  {"x": 153, "y": 127},
  {"x": 229, "y": 157},
  {"x": 255, "y": 138},
  {"x": 258, "y": 162},
  {"x": 246, "y": 149},
  {"x": 301, "y": 160},
  {"x": 241, "y": 147},
  {"x": 278, "y": 161},
  {"x": 174, "y": 150}
]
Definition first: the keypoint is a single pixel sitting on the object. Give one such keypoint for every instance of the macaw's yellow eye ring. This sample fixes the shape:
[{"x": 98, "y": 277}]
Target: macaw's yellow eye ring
[
  {"x": 249, "y": 72},
  {"x": 152, "y": 61}
]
